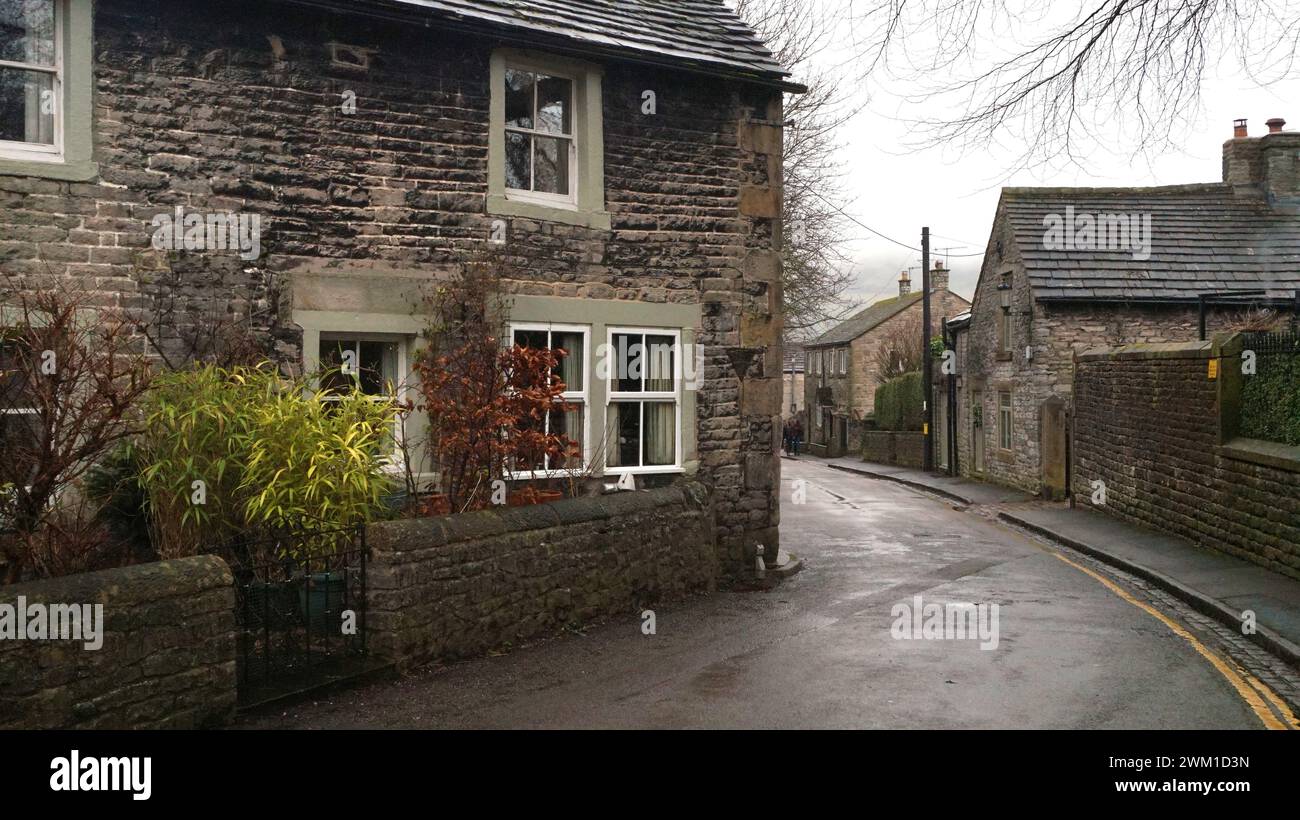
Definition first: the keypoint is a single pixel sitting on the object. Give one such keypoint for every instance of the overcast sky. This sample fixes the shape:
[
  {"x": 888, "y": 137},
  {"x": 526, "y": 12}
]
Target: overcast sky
[{"x": 895, "y": 191}]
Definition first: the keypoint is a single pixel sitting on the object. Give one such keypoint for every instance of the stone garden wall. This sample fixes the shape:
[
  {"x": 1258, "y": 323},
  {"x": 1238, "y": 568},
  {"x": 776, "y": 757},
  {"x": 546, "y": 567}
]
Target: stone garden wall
[
  {"x": 451, "y": 587},
  {"x": 167, "y": 659},
  {"x": 1159, "y": 432},
  {"x": 905, "y": 449}
]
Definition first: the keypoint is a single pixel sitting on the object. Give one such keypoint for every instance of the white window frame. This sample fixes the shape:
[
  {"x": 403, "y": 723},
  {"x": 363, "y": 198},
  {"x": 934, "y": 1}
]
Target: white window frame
[
  {"x": 1005, "y": 428},
  {"x": 567, "y": 201},
  {"x": 613, "y": 396},
  {"x": 844, "y": 361},
  {"x": 582, "y": 397},
  {"x": 35, "y": 152},
  {"x": 393, "y": 460}
]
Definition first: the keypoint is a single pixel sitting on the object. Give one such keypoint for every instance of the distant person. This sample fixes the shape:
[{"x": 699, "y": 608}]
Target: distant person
[{"x": 796, "y": 437}]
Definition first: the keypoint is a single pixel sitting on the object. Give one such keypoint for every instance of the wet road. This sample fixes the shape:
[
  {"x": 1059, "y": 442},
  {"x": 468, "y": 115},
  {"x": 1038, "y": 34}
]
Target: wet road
[{"x": 818, "y": 651}]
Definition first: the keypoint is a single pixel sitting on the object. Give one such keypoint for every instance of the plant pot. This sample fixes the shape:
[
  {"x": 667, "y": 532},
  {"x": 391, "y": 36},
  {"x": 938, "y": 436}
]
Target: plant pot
[
  {"x": 435, "y": 504},
  {"x": 529, "y": 496},
  {"x": 320, "y": 597},
  {"x": 271, "y": 603}
]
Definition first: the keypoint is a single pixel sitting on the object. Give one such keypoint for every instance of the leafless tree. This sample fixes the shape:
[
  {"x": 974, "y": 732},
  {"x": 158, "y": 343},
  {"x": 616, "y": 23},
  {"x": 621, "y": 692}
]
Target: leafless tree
[
  {"x": 900, "y": 349},
  {"x": 1059, "y": 79},
  {"x": 816, "y": 273},
  {"x": 70, "y": 375}
]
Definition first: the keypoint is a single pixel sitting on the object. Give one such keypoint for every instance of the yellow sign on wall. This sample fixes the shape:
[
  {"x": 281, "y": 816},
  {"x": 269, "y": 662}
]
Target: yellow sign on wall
[{"x": 1214, "y": 369}]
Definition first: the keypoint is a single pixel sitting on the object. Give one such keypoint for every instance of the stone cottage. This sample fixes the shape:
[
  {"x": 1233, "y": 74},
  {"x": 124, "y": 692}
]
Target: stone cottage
[
  {"x": 1072, "y": 268},
  {"x": 334, "y": 157},
  {"x": 842, "y": 375}
]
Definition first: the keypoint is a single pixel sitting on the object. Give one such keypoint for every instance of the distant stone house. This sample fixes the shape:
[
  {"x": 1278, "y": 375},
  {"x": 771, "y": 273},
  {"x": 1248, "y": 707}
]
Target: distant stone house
[
  {"x": 842, "y": 375},
  {"x": 792, "y": 381},
  {"x": 1072, "y": 268},
  {"x": 624, "y": 154}
]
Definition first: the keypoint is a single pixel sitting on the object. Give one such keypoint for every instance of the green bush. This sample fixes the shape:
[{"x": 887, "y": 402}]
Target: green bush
[
  {"x": 1270, "y": 401},
  {"x": 899, "y": 403},
  {"x": 269, "y": 455}
]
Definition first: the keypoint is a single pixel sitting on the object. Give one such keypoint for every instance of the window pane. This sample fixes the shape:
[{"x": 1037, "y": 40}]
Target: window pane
[
  {"x": 26, "y": 106},
  {"x": 660, "y": 434},
  {"x": 333, "y": 379},
  {"x": 571, "y": 369},
  {"x": 659, "y": 363},
  {"x": 535, "y": 339},
  {"x": 628, "y": 363},
  {"x": 518, "y": 175},
  {"x": 551, "y": 168},
  {"x": 568, "y": 423},
  {"x": 519, "y": 98},
  {"x": 623, "y": 443},
  {"x": 554, "y": 105},
  {"x": 378, "y": 364},
  {"x": 27, "y": 31}
]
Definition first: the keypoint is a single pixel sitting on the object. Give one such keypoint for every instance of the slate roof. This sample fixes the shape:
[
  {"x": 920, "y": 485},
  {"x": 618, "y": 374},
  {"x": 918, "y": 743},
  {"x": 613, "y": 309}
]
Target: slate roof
[
  {"x": 702, "y": 34},
  {"x": 1204, "y": 238},
  {"x": 864, "y": 320}
]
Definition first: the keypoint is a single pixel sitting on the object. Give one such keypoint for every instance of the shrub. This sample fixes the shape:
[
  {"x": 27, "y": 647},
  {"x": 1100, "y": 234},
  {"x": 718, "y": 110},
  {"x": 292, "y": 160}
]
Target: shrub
[
  {"x": 229, "y": 452},
  {"x": 1270, "y": 401},
  {"x": 900, "y": 403}
]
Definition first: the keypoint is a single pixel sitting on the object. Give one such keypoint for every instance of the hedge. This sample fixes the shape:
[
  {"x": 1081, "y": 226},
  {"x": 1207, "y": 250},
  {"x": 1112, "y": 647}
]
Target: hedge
[
  {"x": 1270, "y": 400},
  {"x": 900, "y": 402}
]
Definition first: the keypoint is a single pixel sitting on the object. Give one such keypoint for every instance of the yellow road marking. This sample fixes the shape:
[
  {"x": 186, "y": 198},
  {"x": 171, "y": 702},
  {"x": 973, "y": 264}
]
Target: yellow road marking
[{"x": 1248, "y": 687}]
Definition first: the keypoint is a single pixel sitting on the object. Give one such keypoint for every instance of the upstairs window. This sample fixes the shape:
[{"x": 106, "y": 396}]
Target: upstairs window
[
  {"x": 546, "y": 154},
  {"x": 30, "y": 78},
  {"x": 46, "y": 89},
  {"x": 541, "y": 149}
]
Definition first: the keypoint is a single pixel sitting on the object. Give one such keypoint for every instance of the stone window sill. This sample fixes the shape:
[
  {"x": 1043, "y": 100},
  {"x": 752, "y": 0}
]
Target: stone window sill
[
  {"x": 62, "y": 171},
  {"x": 504, "y": 206}
]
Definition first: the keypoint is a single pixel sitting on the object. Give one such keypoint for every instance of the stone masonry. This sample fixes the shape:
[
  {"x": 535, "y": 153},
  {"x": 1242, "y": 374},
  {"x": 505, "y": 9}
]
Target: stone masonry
[
  {"x": 236, "y": 107},
  {"x": 463, "y": 585},
  {"x": 167, "y": 659},
  {"x": 1157, "y": 431}
]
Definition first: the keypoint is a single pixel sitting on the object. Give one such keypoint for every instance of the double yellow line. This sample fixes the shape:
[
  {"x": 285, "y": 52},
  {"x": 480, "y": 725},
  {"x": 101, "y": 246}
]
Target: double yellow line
[{"x": 1268, "y": 707}]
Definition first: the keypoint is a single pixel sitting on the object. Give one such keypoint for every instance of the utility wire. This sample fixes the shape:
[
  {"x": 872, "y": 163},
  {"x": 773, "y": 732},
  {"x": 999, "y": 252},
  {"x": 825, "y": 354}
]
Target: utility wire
[{"x": 867, "y": 227}]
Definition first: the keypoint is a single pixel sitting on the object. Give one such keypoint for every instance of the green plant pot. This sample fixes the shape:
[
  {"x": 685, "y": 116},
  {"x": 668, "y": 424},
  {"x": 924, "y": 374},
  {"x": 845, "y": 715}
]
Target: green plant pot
[
  {"x": 320, "y": 597},
  {"x": 271, "y": 603}
]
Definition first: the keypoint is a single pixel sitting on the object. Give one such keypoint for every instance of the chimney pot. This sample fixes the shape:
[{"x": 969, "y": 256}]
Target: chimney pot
[
  {"x": 1275, "y": 125},
  {"x": 1239, "y": 128},
  {"x": 904, "y": 284}
]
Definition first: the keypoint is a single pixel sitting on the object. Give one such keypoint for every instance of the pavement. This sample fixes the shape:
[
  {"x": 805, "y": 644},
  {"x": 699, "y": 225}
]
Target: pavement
[
  {"x": 1216, "y": 584},
  {"x": 824, "y": 648},
  {"x": 960, "y": 490}
]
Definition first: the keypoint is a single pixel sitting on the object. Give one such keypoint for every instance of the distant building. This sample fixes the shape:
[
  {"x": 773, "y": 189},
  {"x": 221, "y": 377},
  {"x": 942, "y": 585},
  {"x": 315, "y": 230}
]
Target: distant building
[
  {"x": 840, "y": 391},
  {"x": 1067, "y": 269},
  {"x": 792, "y": 381}
]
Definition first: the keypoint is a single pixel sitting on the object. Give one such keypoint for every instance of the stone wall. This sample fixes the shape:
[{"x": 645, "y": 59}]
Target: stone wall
[
  {"x": 904, "y": 449},
  {"x": 457, "y": 586},
  {"x": 167, "y": 658},
  {"x": 238, "y": 107},
  {"x": 1158, "y": 432}
]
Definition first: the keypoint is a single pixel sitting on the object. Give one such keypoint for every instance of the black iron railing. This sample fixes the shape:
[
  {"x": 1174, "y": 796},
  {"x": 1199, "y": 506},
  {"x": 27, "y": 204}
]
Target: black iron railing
[{"x": 300, "y": 608}]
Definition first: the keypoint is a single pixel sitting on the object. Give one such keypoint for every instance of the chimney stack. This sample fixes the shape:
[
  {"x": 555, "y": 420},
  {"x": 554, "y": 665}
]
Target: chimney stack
[
  {"x": 938, "y": 277},
  {"x": 1238, "y": 129},
  {"x": 904, "y": 284},
  {"x": 1275, "y": 125}
]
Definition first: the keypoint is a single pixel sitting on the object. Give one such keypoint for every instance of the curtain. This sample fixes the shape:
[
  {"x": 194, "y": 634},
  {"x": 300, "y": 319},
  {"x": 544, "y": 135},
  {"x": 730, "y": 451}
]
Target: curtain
[
  {"x": 660, "y": 433},
  {"x": 571, "y": 365},
  {"x": 659, "y": 368}
]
